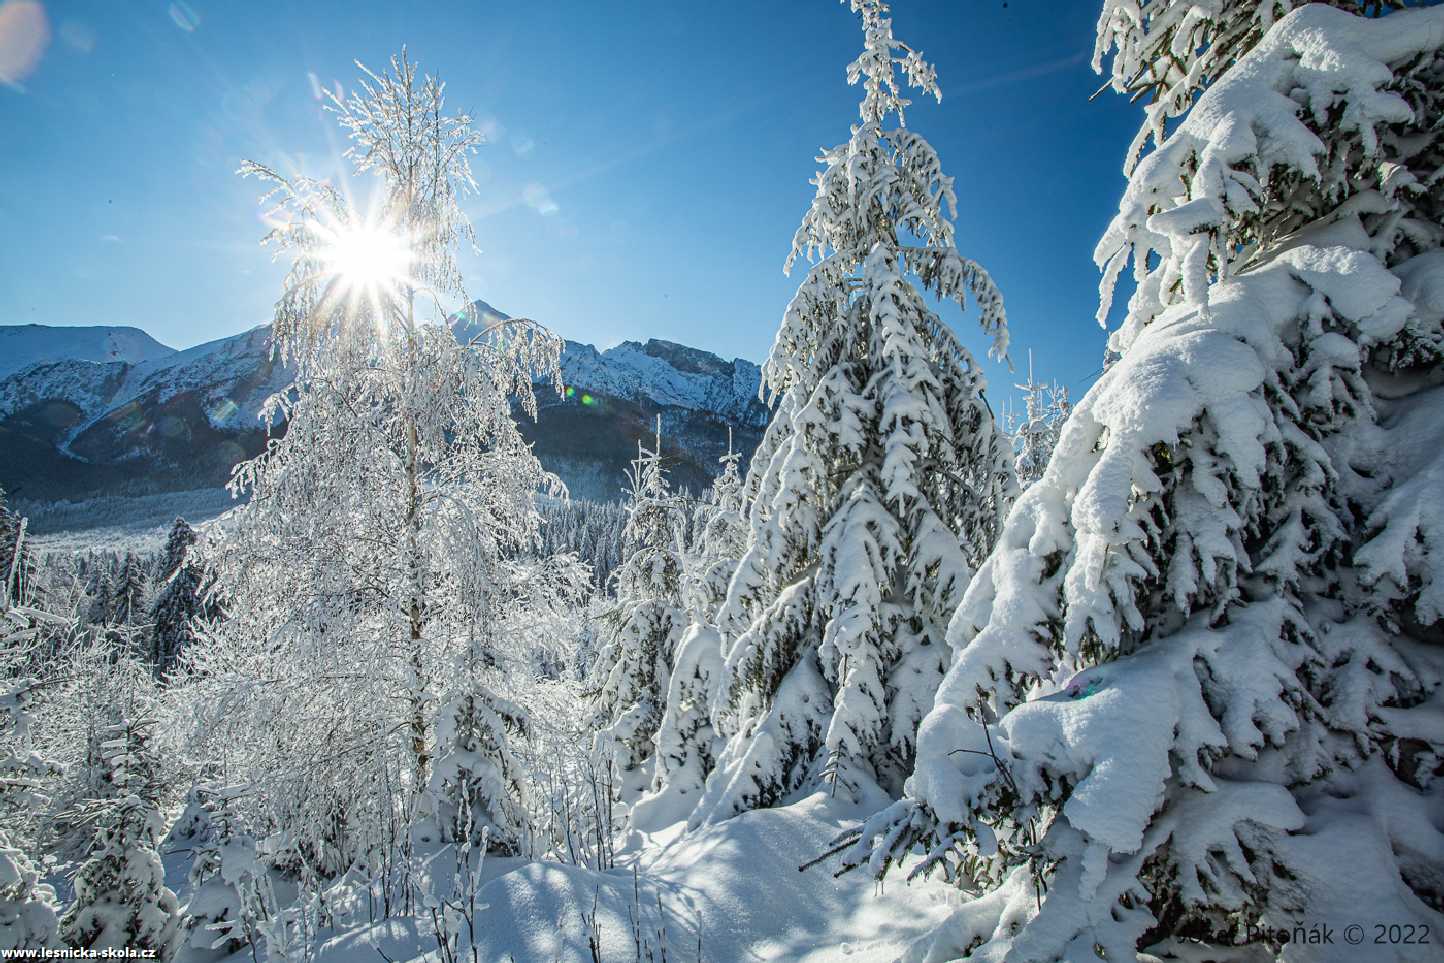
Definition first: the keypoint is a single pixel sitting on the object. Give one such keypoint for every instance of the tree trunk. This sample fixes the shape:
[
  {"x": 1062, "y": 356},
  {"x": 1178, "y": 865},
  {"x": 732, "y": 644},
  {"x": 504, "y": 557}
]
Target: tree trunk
[{"x": 421, "y": 755}]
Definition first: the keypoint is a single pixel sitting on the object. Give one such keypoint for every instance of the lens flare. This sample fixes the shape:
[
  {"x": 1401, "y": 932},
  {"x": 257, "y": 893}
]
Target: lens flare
[
  {"x": 24, "y": 35},
  {"x": 222, "y": 412},
  {"x": 184, "y": 17}
]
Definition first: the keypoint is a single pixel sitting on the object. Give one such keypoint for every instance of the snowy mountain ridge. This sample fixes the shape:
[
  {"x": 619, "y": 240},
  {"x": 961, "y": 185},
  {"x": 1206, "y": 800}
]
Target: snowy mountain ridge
[
  {"x": 23, "y": 345},
  {"x": 64, "y": 367},
  {"x": 218, "y": 368},
  {"x": 662, "y": 372},
  {"x": 112, "y": 396}
]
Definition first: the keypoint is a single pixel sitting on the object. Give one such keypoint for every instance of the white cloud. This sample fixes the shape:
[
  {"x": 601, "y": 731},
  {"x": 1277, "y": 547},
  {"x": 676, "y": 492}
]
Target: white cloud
[
  {"x": 78, "y": 36},
  {"x": 539, "y": 199},
  {"x": 522, "y": 145},
  {"x": 491, "y": 129}
]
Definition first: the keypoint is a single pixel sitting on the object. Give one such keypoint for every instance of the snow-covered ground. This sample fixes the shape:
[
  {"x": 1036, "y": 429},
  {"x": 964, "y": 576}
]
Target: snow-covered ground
[{"x": 732, "y": 889}]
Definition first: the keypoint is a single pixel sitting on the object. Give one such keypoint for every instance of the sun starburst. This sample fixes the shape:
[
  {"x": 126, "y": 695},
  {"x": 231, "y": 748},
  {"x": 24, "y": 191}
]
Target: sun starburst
[
  {"x": 365, "y": 265},
  {"x": 367, "y": 258}
]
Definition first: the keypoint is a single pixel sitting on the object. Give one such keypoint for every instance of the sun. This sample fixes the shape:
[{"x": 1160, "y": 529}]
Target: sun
[{"x": 368, "y": 258}]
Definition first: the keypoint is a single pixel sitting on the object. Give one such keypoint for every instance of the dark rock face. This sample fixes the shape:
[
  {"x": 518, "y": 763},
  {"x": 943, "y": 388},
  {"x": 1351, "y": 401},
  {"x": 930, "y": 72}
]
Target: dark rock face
[
  {"x": 74, "y": 428},
  {"x": 590, "y": 446}
]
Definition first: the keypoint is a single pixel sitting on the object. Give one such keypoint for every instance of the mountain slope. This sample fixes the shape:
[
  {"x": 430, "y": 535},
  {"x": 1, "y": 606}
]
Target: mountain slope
[
  {"x": 74, "y": 427},
  {"x": 23, "y": 345}
]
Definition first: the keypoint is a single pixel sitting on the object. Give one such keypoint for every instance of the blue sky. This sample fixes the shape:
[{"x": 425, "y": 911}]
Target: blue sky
[{"x": 648, "y": 164}]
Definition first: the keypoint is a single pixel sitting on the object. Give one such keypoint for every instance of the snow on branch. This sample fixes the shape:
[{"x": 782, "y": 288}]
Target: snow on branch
[{"x": 1252, "y": 136}]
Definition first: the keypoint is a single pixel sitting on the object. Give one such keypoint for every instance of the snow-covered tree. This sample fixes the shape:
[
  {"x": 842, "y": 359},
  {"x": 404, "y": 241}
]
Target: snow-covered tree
[
  {"x": 381, "y": 529},
  {"x": 27, "y": 906},
  {"x": 686, "y": 742},
  {"x": 718, "y": 539},
  {"x": 214, "y": 921},
  {"x": 102, "y": 585},
  {"x": 881, "y": 480},
  {"x": 128, "y": 594},
  {"x": 631, "y": 672},
  {"x": 64, "y": 585},
  {"x": 17, "y": 562},
  {"x": 26, "y": 776},
  {"x": 121, "y": 899},
  {"x": 1035, "y": 435},
  {"x": 179, "y": 601},
  {"x": 104, "y": 680},
  {"x": 476, "y": 783},
  {"x": 1168, "y": 51},
  {"x": 218, "y": 917},
  {"x": 1191, "y": 696}
]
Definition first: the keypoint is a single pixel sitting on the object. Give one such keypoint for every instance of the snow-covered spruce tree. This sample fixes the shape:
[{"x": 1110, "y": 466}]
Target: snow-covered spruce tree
[
  {"x": 179, "y": 600},
  {"x": 217, "y": 919},
  {"x": 686, "y": 743},
  {"x": 27, "y": 906},
  {"x": 477, "y": 789},
  {"x": 27, "y": 777},
  {"x": 478, "y": 794},
  {"x": 1193, "y": 687},
  {"x": 718, "y": 539},
  {"x": 128, "y": 593},
  {"x": 214, "y": 921},
  {"x": 881, "y": 480},
  {"x": 631, "y": 672},
  {"x": 103, "y": 680},
  {"x": 121, "y": 899},
  {"x": 1168, "y": 51},
  {"x": 379, "y": 529},
  {"x": 1045, "y": 408},
  {"x": 102, "y": 578}
]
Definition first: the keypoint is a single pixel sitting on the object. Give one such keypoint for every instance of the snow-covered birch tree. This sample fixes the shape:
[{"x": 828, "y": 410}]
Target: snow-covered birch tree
[
  {"x": 17, "y": 562},
  {"x": 1190, "y": 701},
  {"x": 382, "y": 528},
  {"x": 882, "y": 478}
]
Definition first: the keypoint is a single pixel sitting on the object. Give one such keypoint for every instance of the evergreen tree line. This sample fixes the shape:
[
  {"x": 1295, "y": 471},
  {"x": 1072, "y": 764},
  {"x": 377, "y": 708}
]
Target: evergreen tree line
[{"x": 151, "y": 599}]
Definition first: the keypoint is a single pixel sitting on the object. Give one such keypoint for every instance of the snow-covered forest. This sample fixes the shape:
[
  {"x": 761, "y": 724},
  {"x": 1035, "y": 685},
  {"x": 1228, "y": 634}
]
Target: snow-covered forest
[{"x": 1150, "y": 672}]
